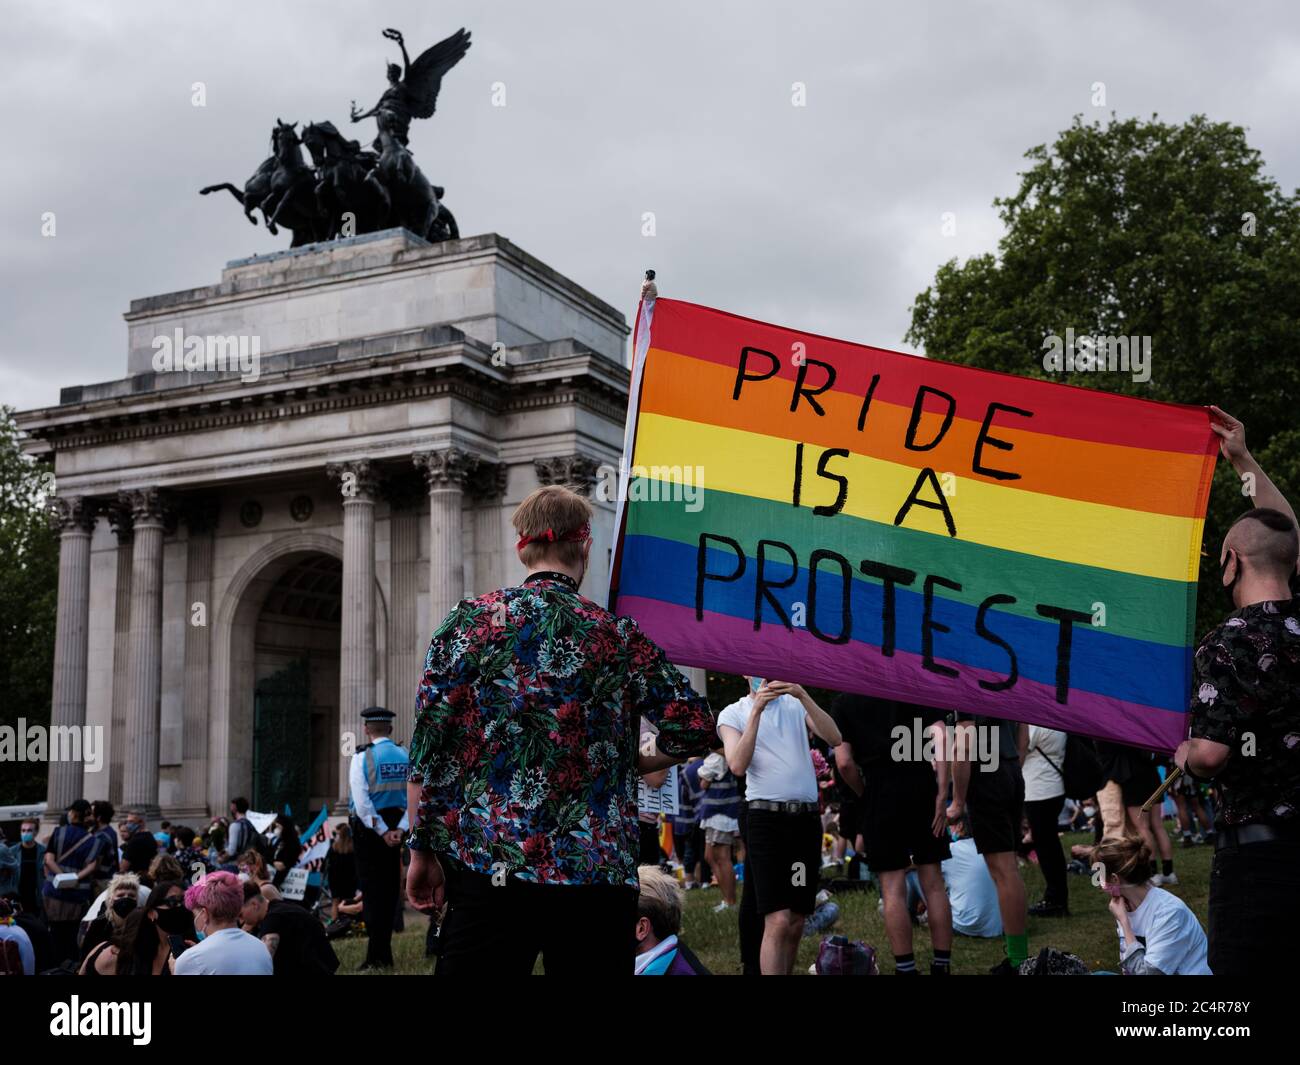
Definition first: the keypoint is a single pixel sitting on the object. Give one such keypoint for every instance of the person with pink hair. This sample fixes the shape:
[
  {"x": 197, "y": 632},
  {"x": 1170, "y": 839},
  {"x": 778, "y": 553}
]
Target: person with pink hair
[{"x": 224, "y": 949}]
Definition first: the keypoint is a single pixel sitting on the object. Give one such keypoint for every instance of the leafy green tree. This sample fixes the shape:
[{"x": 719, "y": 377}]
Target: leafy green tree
[
  {"x": 29, "y": 577},
  {"x": 1144, "y": 228}
]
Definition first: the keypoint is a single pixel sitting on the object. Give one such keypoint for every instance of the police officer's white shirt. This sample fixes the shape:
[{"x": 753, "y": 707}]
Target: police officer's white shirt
[
  {"x": 781, "y": 769},
  {"x": 360, "y": 789}
]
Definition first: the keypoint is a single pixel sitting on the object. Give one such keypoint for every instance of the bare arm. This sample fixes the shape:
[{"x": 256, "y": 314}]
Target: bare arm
[
  {"x": 1232, "y": 444},
  {"x": 822, "y": 724},
  {"x": 848, "y": 768},
  {"x": 656, "y": 779},
  {"x": 965, "y": 743},
  {"x": 941, "y": 769},
  {"x": 739, "y": 746},
  {"x": 1201, "y": 757}
]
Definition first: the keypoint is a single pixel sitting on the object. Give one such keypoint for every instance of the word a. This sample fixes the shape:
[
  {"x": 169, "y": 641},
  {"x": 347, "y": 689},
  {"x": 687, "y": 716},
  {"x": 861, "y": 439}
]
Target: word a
[
  {"x": 1098, "y": 354},
  {"x": 179, "y": 352}
]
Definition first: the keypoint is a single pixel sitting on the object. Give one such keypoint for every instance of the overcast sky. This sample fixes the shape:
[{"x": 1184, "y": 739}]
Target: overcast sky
[{"x": 825, "y": 217}]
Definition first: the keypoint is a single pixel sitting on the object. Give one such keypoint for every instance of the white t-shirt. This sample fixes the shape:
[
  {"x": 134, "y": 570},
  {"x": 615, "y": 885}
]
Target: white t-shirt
[
  {"x": 1173, "y": 937},
  {"x": 1041, "y": 780},
  {"x": 781, "y": 769},
  {"x": 230, "y": 952},
  {"x": 971, "y": 892}
]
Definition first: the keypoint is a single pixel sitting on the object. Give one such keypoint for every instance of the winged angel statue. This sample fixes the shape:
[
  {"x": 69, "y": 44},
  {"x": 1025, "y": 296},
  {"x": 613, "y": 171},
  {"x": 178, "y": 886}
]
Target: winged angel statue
[{"x": 347, "y": 190}]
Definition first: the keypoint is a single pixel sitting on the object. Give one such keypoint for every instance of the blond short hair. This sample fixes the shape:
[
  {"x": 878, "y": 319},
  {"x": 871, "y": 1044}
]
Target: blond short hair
[
  {"x": 661, "y": 901},
  {"x": 122, "y": 880},
  {"x": 558, "y": 508}
]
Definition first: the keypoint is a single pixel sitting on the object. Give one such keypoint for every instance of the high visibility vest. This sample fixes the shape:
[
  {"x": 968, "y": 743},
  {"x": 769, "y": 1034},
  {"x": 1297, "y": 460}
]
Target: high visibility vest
[{"x": 387, "y": 767}]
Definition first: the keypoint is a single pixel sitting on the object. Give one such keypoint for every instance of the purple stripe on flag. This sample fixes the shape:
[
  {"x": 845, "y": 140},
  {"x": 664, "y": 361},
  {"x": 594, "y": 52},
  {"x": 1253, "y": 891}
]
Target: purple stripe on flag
[{"x": 730, "y": 645}]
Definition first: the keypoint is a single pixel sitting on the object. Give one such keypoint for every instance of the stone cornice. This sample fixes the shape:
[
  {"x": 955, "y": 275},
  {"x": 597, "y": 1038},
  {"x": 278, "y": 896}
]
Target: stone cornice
[
  {"x": 488, "y": 245},
  {"x": 308, "y": 391}
]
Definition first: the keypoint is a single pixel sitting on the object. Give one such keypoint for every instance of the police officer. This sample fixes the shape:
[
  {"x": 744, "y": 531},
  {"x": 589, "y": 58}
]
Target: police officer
[{"x": 377, "y": 813}]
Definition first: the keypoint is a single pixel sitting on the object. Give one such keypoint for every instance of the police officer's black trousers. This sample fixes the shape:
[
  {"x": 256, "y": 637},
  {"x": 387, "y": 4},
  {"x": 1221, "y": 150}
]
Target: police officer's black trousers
[{"x": 380, "y": 870}]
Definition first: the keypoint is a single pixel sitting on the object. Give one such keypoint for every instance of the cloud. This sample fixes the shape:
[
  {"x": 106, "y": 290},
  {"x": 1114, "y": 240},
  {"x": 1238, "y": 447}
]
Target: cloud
[{"x": 825, "y": 217}]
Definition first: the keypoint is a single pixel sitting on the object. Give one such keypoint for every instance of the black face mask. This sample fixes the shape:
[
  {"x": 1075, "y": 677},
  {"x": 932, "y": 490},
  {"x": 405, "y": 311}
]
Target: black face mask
[
  {"x": 176, "y": 921},
  {"x": 124, "y": 907}
]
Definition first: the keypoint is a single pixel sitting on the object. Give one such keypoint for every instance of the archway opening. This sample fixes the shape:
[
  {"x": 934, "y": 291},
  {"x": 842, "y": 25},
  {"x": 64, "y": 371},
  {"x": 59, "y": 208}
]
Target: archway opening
[{"x": 296, "y": 688}]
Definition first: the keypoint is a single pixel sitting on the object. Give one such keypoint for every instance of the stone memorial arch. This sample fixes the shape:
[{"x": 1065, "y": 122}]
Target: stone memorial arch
[{"x": 305, "y": 466}]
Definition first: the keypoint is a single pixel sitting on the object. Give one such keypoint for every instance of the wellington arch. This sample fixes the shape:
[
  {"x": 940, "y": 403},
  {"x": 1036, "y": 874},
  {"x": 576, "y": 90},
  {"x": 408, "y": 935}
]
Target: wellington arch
[{"x": 249, "y": 560}]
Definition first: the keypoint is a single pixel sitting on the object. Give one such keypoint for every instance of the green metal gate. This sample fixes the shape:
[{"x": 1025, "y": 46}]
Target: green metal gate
[{"x": 282, "y": 740}]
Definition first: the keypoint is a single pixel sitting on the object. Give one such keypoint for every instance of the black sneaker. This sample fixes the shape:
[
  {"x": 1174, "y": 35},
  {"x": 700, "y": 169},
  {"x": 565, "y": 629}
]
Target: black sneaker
[
  {"x": 1004, "y": 968},
  {"x": 1048, "y": 909},
  {"x": 940, "y": 970}
]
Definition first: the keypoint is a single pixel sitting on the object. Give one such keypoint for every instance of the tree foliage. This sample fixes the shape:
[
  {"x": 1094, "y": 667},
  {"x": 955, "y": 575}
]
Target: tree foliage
[
  {"x": 29, "y": 577},
  {"x": 1144, "y": 228}
]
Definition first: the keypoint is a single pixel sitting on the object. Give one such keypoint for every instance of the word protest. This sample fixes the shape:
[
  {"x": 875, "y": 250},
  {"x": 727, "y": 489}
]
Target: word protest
[{"x": 902, "y": 527}]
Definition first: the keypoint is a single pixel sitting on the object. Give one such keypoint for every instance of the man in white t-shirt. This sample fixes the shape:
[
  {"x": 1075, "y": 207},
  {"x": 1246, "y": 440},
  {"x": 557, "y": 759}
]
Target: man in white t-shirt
[{"x": 765, "y": 735}]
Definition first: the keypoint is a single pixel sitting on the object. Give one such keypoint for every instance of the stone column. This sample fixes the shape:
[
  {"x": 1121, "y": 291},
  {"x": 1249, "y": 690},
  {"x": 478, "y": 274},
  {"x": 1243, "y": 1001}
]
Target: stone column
[
  {"x": 201, "y": 522},
  {"x": 446, "y": 473},
  {"x": 74, "y": 518},
  {"x": 119, "y": 517},
  {"x": 487, "y": 489},
  {"x": 357, "y": 483},
  {"x": 144, "y": 651},
  {"x": 405, "y": 493},
  {"x": 578, "y": 472}
]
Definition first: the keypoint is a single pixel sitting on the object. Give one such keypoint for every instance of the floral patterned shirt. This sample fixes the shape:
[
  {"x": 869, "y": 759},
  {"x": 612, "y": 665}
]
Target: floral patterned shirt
[
  {"x": 1244, "y": 684},
  {"x": 526, "y": 733}
]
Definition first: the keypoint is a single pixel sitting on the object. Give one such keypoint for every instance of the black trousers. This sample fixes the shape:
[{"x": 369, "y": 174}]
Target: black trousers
[
  {"x": 379, "y": 868},
  {"x": 649, "y": 853},
  {"x": 1041, "y": 815},
  {"x": 498, "y": 930},
  {"x": 1253, "y": 889},
  {"x": 749, "y": 920}
]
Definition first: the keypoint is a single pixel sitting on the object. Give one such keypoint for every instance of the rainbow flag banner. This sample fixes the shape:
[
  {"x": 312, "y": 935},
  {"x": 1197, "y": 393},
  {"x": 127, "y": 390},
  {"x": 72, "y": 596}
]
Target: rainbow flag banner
[{"x": 815, "y": 511}]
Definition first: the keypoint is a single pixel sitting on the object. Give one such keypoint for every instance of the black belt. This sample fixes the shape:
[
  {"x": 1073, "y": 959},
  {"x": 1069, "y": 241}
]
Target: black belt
[
  {"x": 1243, "y": 835},
  {"x": 783, "y": 807}
]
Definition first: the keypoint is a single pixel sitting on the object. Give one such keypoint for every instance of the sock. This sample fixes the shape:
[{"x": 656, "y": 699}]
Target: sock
[
  {"x": 1167, "y": 866},
  {"x": 1017, "y": 949},
  {"x": 942, "y": 963},
  {"x": 905, "y": 964}
]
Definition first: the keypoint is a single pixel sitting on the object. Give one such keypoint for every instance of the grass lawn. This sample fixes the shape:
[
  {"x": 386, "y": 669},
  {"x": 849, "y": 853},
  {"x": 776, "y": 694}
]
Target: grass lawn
[{"x": 1089, "y": 931}]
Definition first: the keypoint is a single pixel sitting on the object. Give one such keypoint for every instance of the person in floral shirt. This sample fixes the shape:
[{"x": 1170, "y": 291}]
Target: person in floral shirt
[
  {"x": 1245, "y": 731},
  {"x": 524, "y": 762}
]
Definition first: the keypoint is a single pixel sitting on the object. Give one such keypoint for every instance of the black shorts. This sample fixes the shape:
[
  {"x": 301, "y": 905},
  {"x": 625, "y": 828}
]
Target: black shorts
[
  {"x": 994, "y": 801},
  {"x": 784, "y": 852},
  {"x": 1141, "y": 784},
  {"x": 898, "y": 820},
  {"x": 850, "y": 821}
]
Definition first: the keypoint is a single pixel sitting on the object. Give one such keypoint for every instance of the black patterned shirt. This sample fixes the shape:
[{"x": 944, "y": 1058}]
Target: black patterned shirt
[{"x": 1246, "y": 695}]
